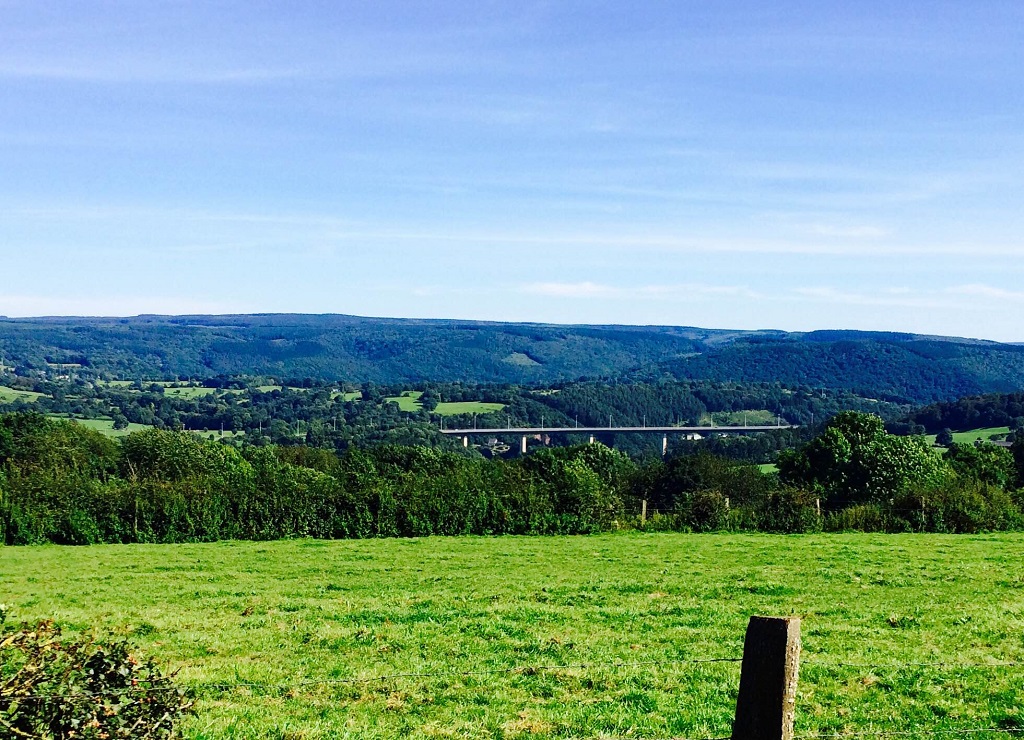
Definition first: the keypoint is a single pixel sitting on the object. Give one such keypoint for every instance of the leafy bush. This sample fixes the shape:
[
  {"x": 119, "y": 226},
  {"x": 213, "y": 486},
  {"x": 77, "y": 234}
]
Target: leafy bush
[
  {"x": 708, "y": 512},
  {"x": 54, "y": 687},
  {"x": 789, "y": 510},
  {"x": 865, "y": 518}
]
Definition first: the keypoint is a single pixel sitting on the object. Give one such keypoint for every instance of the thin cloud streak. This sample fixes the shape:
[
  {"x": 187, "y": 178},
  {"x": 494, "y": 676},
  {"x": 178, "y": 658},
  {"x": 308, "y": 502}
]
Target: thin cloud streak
[{"x": 686, "y": 291}]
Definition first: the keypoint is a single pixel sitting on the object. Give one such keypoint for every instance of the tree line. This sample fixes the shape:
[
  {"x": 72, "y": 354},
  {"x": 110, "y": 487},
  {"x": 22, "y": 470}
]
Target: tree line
[{"x": 64, "y": 483}]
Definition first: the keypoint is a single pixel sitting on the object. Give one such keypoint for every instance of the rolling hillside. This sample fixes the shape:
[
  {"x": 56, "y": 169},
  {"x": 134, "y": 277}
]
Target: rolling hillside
[{"x": 336, "y": 347}]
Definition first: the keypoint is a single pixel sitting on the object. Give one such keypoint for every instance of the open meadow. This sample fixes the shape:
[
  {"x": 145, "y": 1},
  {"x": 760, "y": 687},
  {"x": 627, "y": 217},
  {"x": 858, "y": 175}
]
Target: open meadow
[
  {"x": 11, "y": 395},
  {"x": 970, "y": 436},
  {"x": 579, "y": 637}
]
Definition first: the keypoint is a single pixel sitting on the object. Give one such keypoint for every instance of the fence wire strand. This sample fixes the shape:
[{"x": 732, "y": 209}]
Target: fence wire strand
[
  {"x": 524, "y": 670},
  {"x": 896, "y": 666},
  {"x": 535, "y": 669},
  {"x": 527, "y": 670}
]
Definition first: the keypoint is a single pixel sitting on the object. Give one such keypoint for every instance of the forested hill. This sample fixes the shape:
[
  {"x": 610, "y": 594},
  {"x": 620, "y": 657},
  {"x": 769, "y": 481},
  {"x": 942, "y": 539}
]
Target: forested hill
[
  {"x": 916, "y": 370},
  {"x": 973, "y": 412},
  {"x": 336, "y": 347}
]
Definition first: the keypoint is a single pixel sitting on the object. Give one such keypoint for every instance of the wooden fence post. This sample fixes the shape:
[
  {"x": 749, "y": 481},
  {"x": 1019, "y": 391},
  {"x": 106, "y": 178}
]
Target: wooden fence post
[
  {"x": 643, "y": 512},
  {"x": 766, "y": 704}
]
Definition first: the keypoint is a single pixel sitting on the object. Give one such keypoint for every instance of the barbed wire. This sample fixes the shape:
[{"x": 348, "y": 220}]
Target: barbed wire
[
  {"x": 909, "y": 733},
  {"x": 880, "y": 733},
  {"x": 888, "y": 666},
  {"x": 524, "y": 670}
]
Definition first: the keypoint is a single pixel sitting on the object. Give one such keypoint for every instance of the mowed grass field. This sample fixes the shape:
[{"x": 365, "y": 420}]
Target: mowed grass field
[
  {"x": 12, "y": 395},
  {"x": 969, "y": 437},
  {"x": 410, "y": 401},
  {"x": 453, "y": 408},
  {"x": 105, "y": 426},
  {"x": 551, "y": 637},
  {"x": 738, "y": 418}
]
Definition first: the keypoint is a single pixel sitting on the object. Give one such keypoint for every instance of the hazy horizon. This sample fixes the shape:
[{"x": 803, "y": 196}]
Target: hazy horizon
[{"x": 491, "y": 321}]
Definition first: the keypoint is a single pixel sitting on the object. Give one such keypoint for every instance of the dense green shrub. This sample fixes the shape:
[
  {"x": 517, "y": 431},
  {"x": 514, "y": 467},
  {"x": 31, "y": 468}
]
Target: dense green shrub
[
  {"x": 865, "y": 518},
  {"x": 67, "y": 485},
  {"x": 984, "y": 462},
  {"x": 707, "y": 511},
  {"x": 855, "y": 460},
  {"x": 788, "y": 510},
  {"x": 54, "y": 687}
]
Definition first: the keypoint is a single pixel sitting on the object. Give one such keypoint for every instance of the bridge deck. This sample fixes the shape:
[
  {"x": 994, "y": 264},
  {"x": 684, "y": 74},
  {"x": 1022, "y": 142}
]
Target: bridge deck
[{"x": 618, "y": 430}]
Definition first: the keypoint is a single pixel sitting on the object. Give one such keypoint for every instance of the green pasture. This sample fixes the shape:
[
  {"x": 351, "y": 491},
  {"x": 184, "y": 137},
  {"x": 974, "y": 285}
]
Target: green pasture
[
  {"x": 768, "y": 468},
  {"x": 11, "y": 395},
  {"x": 408, "y": 401},
  {"x": 754, "y": 417},
  {"x": 970, "y": 436},
  {"x": 188, "y": 392},
  {"x": 106, "y": 426},
  {"x": 467, "y": 407},
  {"x": 551, "y": 637},
  {"x": 347, "y": 396}
]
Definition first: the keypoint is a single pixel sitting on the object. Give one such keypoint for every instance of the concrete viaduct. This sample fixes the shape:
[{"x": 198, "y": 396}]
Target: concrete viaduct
[{"x": 525, "y": 433}]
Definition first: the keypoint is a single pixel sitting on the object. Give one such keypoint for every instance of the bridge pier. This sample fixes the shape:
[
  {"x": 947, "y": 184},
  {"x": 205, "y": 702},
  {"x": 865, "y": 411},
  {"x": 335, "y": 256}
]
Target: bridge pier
[
  {"x": 522, "y": 445},
  {"x": 664, "y": 445},
  {"x": 591, "y": 439},
  {"x": 465, "y": 440}
]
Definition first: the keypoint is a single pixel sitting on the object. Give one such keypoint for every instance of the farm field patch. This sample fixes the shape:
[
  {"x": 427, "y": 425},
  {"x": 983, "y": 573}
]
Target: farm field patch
[
  {"x": 467, "y": 407},
  {"x": 188, "y": 392},
  {"x": 601, "y": 626},
  {"x": 408, "y": 401},
  {"x": 105, "y": 426},
  {"x": 12, "y": 395},
  {"x": 737, "y": 418},
  {"x": 970, "y": 436}
]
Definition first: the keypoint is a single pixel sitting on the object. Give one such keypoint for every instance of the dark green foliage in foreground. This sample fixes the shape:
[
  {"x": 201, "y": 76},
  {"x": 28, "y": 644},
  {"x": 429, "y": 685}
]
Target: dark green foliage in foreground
[
  {"x": 870, "y": 480},
  {"x": 56, "y": 687},
  {"x": 1018, "y": 458},
  {"x": 67, "y": 484},
  {"x": 855, "y": 460},
  {"x": 63, "y": 483}
]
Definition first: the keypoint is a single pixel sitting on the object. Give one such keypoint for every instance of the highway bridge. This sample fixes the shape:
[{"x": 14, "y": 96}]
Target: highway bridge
[{"x": 525, "y": 433}]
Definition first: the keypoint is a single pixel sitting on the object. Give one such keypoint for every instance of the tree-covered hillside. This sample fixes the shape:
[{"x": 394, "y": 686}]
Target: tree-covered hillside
[
  {"x": 973, "y": 412},
  {"x": 900, "y": 367},
  {"x": 915, "y": 370}
]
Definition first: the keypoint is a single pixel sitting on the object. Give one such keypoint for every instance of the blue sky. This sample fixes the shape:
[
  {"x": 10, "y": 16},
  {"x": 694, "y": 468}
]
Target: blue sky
[{"x": 792, "y": 165}]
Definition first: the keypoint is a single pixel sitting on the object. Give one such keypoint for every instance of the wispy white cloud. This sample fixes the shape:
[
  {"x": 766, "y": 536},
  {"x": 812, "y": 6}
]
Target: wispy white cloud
[
  {"x": 198, "y": 229},
  {"x": 961, "y": 298},
  {"x": 900, "y": 299},
  {"x": 988, "y": 292},
  {"x": 574, "y": 290},
  {"x": 686, "y": 291}
]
